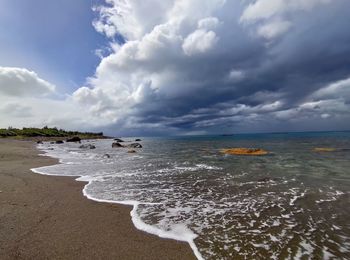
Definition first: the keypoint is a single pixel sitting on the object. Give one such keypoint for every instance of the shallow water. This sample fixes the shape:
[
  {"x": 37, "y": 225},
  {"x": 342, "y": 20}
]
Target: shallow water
[{"x": 292, "y": 203}]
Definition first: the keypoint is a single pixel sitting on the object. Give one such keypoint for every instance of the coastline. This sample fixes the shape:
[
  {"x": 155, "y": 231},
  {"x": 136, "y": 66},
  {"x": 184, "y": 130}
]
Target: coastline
[{"x": 48, "y": 217}]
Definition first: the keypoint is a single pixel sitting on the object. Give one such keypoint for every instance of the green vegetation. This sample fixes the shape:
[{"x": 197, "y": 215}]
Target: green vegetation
[{"x": 45, "y": 132}]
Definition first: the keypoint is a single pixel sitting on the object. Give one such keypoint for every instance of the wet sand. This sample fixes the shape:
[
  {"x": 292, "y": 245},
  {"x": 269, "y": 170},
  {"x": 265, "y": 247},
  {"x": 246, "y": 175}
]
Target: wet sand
[{"x": 46, "y": 217}]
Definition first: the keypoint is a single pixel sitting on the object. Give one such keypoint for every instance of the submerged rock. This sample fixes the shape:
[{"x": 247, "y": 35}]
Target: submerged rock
[
  {"x": 59, "y": 142},
  {"x": 117, "y": 145},
  {"x": 131, "y": 151},
  {"x": 106, "y": 156},
  {"x": 267, "y": 179},
  {"x": 324, "y": 149},
  {"x": 138, "y": 140},
  {"x": 74, "y": 139},
  {"x": 87, "y": 146},
  {"x": 135, "y": 145},
  {"x": 244, "y": 151},
  {"x": 118, "y": 140}
]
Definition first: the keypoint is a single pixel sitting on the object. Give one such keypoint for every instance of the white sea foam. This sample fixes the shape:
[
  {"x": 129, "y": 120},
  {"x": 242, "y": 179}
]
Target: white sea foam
[
  {"x": 177, "y": 232},
  {"x": 222, "y": 204}
]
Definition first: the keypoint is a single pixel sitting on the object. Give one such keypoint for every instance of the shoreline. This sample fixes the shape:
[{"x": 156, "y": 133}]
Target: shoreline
[
  {"x": 138, "y": 223},
  {"x": 49, "y": 217}
]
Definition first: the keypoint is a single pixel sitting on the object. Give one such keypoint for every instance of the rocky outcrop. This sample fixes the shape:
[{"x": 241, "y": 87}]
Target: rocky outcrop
[
  {"x": 134, "y": 145},
  {"x": 117, "y": 145},
  {"x": 87, "y": 146},
  {"x": 74, "y": 139},
  {"x": 244, "y": 151}
]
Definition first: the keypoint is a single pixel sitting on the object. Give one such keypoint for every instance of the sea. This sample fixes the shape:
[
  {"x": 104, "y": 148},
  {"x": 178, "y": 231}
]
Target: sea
[{"x": 293, "y": 203}]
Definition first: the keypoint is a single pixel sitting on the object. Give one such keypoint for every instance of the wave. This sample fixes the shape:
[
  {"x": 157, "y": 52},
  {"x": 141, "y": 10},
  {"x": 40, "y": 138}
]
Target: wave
[{"x": 178, "y": 232}]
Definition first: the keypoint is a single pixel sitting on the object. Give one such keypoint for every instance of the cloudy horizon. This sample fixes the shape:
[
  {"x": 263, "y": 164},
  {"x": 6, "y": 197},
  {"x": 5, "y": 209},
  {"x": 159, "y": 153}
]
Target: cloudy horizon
[{"x": 176, "y": 67}]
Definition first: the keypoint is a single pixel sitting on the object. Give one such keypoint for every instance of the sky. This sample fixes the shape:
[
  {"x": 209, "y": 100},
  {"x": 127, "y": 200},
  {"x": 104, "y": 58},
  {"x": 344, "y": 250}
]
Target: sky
[{"x": 175, "y": 67}]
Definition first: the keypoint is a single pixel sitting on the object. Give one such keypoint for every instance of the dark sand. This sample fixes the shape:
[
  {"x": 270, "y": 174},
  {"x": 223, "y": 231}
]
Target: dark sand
[{"x": 45, "y": 217}]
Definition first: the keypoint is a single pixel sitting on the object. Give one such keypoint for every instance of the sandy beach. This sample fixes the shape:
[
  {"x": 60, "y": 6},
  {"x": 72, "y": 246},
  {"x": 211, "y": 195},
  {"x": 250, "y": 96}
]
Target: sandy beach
[{"x": 45, "y": 217}]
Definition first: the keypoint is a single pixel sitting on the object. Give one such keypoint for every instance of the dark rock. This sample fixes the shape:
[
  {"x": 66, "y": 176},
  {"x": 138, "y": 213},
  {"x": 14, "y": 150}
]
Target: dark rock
[
  {"x": 87, "y": 146},
  {"x": 267, "y": 179},
  {"x": 135, "y": 145},
  {"x": 106, "y": 155},
  {"x": 74, "y": 139},
  {"x": 116, "y": 145},
  {"x": 131, "y": 151},
  {"x": 59, "y": 142},
  {"x": 138, "y": 140},
  {"x": 52, "y": 142},
  {"x": 118, "y": 140},
  {"x": 39, "y": 142}
]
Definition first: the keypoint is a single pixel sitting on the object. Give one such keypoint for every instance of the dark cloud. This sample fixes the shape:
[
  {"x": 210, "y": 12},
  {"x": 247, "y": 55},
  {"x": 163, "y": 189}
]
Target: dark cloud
[{"x": 259, "y": 74}]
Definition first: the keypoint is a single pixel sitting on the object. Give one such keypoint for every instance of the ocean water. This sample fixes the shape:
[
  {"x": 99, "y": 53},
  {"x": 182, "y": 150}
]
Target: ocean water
[{"x": 291, "y": 204}]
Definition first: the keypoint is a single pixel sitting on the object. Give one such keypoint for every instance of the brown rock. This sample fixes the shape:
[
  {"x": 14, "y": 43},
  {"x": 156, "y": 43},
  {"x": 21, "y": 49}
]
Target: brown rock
[{"x": 244, "y": 151}]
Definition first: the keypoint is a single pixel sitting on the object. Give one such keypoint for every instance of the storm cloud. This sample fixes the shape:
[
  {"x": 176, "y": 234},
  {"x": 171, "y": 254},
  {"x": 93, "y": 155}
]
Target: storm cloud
[
  {"x": 213, "y": 66},
  {"x": 216, "y": 66}
]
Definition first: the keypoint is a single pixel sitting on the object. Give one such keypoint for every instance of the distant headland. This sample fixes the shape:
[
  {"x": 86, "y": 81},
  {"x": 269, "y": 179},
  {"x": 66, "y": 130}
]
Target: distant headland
[{"x": 46, "y": 132}]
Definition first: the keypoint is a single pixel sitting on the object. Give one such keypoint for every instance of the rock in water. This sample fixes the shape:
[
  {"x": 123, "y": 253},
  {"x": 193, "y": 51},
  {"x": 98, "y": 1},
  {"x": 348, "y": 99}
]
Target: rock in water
[
  {"x": 74, "y": 139},
  {"x": 325, "y": 149},
  {"x": 117, "y": 145},
  {"x": 131, "y": 151},
  {"x": 244, "y": 151},
  {"x": 135, "y": 145},
  {"x": 59, "y": 142},
  {"x": 138, "y": 140},
  {"x": 118, "y": 140},
  {"x": 39, "y": 142},
  {"x": 87, "y": 146},
  {"x": 106, "y": 155}
]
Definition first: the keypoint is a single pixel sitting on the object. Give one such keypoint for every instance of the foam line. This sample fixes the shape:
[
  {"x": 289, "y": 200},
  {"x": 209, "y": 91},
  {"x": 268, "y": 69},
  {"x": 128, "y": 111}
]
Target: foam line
[{"x": 179, "y": 232}]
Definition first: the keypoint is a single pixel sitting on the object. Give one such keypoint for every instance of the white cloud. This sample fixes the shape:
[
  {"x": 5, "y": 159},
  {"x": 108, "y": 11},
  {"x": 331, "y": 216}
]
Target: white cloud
[
  {"x": 22, "y": 82},
  {"x": 203, "y": 39},
  {"x": 209, "y": 23},
  {"x": 15, "y": 110},
  {"x": 131, "y": 18},
  {"x": 146, "y": 69},
  {"x": 325, "y": 116},
  {"x": 25, "y": 100},
  {"x": 273, "y": 29},
  {"x": 338, "y": 89},
  {"x": 273, "y": 16},
  {"x": 235, "y": 75},
  {"x": 200, "y": 41},
  {"x": 264, "y": 9}
]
